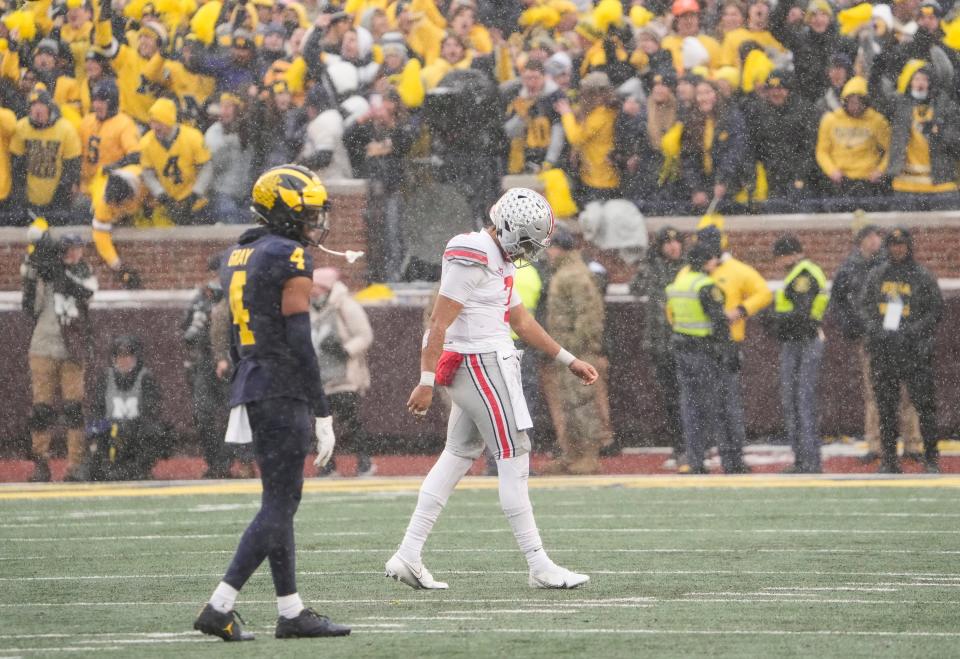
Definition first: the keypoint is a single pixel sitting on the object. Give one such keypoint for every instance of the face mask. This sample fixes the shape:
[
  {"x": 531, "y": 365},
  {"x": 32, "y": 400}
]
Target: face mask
[
  {"x": 319, "y": 302},
  {"x": 918, "y": 96}
]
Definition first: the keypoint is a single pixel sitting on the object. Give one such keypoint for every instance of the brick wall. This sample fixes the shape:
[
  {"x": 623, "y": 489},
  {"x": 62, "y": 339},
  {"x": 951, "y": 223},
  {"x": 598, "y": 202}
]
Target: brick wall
[{"x": 176, "y": 258}]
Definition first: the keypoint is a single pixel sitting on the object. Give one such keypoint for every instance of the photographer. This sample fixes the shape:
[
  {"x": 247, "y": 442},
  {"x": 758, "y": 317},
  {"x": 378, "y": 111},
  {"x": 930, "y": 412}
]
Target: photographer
[
  {"x": 209, "y": 393},
  {"x": 129, "y": 437},
  {"x": 342, "y": 336},
  {"x": 57, "y": 287}
]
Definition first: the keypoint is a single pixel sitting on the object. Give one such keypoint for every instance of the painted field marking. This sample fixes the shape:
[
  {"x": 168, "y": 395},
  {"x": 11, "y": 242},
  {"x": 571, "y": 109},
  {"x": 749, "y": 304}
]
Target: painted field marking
[
  {"x": 493, "y": 515},
  {"x": 758, "y": 481},
  {"x": 625, "y": 602},
  {"x": 588, "y": 550},
  {"x": 796, "y": 573},
  {"x": 364, "y": 500},
  {"x": 604, "y": 631},
  {"x": 440, "y": 532},
  {"x": 97, "y": 522}
]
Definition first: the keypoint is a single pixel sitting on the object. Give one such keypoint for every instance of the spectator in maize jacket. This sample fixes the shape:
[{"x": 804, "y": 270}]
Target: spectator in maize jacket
[
  {"x": 853, "y": 145},
  {"x": 590, "y": 132}
]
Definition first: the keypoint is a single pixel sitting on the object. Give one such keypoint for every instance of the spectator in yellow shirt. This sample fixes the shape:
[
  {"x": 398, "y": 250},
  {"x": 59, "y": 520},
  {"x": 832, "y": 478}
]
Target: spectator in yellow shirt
[
  {"x": 176, "y": 165},
  {"x": 8, "y": 125},
  {"x": 853, "y": 145},
  {"x": 687, "y": 26},
  {"x": 590, "y": 132},
  {"x": 119, "y": 196},
  {"x": 108, "y": 137},
  {"x": 45, "y": 156},
  {"x": 757, "y": 30},
  {"x": 454, "y": 54}
]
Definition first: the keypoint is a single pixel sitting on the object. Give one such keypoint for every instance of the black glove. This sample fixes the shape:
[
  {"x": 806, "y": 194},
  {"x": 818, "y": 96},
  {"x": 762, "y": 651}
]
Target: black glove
[
  {"x": 129, "y": 278},
  {"x": 332, "y": 346}
]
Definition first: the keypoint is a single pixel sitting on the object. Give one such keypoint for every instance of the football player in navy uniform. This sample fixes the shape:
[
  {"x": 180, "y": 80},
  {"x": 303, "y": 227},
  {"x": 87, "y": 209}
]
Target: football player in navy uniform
[{"x": 276, "y": 386}]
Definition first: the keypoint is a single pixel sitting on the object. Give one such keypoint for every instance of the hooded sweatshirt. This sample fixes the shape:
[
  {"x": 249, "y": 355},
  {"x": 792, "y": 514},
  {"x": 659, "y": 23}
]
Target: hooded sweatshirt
[{"x": 922, "y": 301}]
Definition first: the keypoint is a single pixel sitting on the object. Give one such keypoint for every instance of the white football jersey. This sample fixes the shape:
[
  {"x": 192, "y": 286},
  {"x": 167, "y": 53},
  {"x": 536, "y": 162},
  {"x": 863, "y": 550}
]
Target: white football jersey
[{"x": 476, "y": 275}]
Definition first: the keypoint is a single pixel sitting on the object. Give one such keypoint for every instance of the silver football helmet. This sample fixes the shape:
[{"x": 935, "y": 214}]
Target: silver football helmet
[{"x": 524, "y": 222}]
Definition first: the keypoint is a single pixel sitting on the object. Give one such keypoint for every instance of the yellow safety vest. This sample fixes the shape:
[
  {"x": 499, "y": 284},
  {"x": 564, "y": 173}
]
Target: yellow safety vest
[
  {"x": 528, "y": 284},
  {"x": 683, "y": 300},
  {"x": 784, "y": 305}
]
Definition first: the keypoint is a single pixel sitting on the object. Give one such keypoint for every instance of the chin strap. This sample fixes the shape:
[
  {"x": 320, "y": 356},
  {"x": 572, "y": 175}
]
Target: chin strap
[{"x": 350, "y": 255}]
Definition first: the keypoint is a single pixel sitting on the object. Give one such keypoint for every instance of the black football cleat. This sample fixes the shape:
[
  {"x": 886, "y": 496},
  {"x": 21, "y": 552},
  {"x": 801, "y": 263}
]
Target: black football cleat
[
  {"x": 309, "y": 624},
  {"x": 228, "y": 626}
]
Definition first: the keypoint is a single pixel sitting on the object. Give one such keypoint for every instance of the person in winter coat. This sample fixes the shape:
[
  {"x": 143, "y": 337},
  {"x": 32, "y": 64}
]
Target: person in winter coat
[
  {"x": 664, "y": 261},
  {"x": 590, "y": 131},
  {"x": 574, "y": 316},
  {"x": 924, "y": 142},
  {"x": 783, "y": 133},
  {"x": 839, "y": 71},
  {"x": 127, "y": 432},
  {"x": 341, "y": 337},
  {"x": 925, "y": 44},
  {"x": 45, "y": 153},
  {"x": 844, "y": 308},
  {"x": 853, "y": 145},
  {"x": 811, "y": 34},
  {"x": 713, "y": 147},
  {"x": 901, "y": 307},
  {"x": 57, "y": 287},
  {"x": 231, "y": 147}
]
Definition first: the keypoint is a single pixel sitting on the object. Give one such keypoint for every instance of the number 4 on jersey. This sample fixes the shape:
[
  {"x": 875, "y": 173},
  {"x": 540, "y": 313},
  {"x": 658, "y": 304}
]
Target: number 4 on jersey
[{"x": 241, "y": 315}]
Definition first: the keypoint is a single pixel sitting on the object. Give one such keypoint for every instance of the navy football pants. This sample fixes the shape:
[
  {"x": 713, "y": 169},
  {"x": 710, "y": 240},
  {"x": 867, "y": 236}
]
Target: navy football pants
[{"x": 282, "y": 435}]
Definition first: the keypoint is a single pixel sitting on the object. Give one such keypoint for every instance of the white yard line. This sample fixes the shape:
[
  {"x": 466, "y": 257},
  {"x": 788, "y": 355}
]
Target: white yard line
[
  {"x": 691, "y": 632},
  {"x": 97, "y": 521},
  {"x": 365, "y": 602},
  {"x": 618, "y": 531},
  {"x": 631, "y": 602},
  {"x": 111, "y": 642},
  {"x": 556, "y": 550},
  {"x": 387, "y": 498},
  {"x": 309, "y": 573}
]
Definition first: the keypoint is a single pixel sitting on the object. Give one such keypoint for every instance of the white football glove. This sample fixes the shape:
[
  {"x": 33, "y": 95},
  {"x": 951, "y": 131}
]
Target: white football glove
[{"x": 326, "y": 440}]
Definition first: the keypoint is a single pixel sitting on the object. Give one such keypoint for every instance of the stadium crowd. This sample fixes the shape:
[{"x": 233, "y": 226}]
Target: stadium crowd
[{"x": 159, "y": 112}]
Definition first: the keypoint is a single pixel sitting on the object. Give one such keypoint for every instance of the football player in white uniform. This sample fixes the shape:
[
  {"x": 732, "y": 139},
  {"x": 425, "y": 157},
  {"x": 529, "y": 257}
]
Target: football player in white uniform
[{"x": 468, "y": 349}]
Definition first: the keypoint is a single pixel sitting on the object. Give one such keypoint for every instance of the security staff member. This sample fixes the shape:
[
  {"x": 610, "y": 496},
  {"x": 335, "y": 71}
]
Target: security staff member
[
  {"x": 701, "y": 342},
  {"x": 745, "y": 294},
  {"x": 901, "y": 307},
  {"x": 798, "y": 308}
]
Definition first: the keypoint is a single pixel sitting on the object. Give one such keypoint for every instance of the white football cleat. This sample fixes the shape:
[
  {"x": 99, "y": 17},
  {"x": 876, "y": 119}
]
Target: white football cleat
[
  {"x": 417, "y": 578},
  {"x": 556, "y": 577}
]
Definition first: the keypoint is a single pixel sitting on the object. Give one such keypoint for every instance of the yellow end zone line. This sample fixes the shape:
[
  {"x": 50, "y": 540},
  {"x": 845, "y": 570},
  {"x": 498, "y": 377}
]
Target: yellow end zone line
[{"x": 412, "y": 484}]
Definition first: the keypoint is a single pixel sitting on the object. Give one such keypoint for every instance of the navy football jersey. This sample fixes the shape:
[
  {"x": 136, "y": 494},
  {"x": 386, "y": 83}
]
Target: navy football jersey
[{"x": 253, "y": 275}]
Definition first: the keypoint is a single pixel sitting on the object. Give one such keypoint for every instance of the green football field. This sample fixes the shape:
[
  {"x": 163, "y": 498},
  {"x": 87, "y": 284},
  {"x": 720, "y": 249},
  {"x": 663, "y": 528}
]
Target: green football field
[{"x": 717, "y": 566}]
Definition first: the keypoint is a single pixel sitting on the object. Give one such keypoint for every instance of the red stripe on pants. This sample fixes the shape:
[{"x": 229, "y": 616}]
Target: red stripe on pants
[{"x": 499, "y": 425}]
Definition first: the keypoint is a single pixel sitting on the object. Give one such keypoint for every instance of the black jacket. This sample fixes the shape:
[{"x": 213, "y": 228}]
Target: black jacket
[
  {"x": 922, "y": 310},
  {"x": 784, "y": 140},
  {"x": 729, "y": 154},
  {"x": 811, "y": 50},
  {"x": 942, "y": 133},
  {"x": 389, "y": 168},
  {"x": 651, "y": 281},
  {"x": 847, "y": 290},
  {"x": 797, "y": 325}
]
